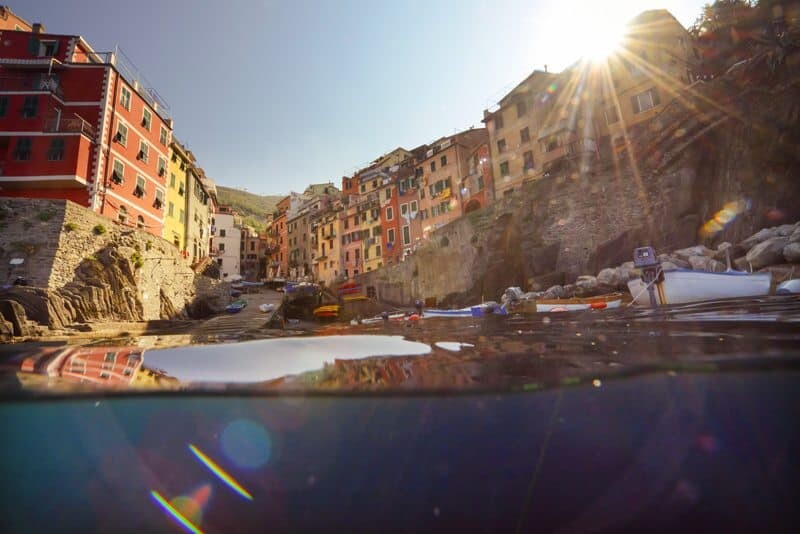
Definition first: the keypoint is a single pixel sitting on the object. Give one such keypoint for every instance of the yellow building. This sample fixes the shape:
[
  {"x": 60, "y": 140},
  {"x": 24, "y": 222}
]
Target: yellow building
[
  {"x": 654, "y": 61},
  {"x": 175, "y": 221},
  {"x": 328, "y": 266}
]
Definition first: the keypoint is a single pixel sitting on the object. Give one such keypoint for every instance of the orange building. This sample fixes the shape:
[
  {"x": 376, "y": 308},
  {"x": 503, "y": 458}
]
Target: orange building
[
  {"x": 80, "y": 125},
  {"x": 10, "y": 21}
]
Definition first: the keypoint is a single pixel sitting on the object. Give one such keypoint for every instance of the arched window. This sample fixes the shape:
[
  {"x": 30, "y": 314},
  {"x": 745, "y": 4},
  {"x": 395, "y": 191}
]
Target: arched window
[
  {"x": 122, "y": 215},
  {"x": 139, "y": 222}
]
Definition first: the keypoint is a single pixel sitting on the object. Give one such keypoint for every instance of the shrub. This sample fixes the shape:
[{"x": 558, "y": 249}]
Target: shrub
[
  {"x": 99, "y": 229},
  {"x": 70, "y": 227},
  {"x": 44, "y": 215},
  {"x": 137, "y": 260}
]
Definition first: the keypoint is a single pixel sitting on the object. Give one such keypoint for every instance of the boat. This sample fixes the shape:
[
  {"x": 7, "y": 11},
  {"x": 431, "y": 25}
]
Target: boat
[
  {"x": 684, "y": 285},
  {"x": 327, "y": 312},
  {"x": 480, "y": 310},
  {"x": 266, "y": 308},
  {"x": 601, "y": 302},
  {"x": 398, "y": 316},
  {"x": 236, "y": 306},
  {"x": 788, "y": 287}
]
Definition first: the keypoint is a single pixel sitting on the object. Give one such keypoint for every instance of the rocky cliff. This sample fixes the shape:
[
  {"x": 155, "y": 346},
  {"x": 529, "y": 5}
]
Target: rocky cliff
[
  {"x": 73, "y": 266},
  {"x": 719, "y": 163}
]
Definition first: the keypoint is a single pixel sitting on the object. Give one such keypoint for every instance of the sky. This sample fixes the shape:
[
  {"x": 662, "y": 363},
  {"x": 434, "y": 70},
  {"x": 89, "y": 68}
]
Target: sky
[{"x": 272, "y": 96}]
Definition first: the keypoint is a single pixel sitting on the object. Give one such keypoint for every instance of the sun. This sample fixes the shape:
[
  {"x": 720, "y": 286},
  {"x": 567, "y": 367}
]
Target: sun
[{"x": 604, "y": 40}]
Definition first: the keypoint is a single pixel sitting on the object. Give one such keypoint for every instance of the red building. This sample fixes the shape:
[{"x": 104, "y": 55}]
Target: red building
[
  {"x": 477, "y": 186},
  {"x": 80, "y": 125}
]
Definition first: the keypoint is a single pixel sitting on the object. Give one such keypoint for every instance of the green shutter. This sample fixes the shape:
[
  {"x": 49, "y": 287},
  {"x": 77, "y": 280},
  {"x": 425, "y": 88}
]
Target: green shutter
[{"x": 33, "y": 46}]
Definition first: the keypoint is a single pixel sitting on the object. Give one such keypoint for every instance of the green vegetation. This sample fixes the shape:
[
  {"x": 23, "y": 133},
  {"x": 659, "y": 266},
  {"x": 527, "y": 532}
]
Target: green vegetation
[
  {"x": 70, "y": 227},
  {"x": 91, "y": 257},
  {"x": 148, "y": 245},
  {"x": 44, "y": 215},
  {"x": 99, "y": 229},
  {"x": 137, "y": 260},
  {"x": 252, "y": 208}
]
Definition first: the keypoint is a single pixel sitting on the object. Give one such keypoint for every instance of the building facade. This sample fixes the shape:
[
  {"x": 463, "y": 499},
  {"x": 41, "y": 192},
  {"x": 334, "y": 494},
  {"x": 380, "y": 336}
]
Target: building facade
[{"x": 226, "y": 240}]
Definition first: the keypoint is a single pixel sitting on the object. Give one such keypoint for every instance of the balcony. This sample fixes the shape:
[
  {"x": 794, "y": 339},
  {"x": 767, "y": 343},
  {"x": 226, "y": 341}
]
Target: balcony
[
  {"x": 73, "y": 124},
  {"x": 32, "y": 82}
]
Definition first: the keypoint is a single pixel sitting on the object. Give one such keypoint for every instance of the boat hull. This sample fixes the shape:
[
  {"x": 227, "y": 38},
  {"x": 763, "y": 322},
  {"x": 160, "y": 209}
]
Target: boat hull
[{"x": 682, "y": 286}]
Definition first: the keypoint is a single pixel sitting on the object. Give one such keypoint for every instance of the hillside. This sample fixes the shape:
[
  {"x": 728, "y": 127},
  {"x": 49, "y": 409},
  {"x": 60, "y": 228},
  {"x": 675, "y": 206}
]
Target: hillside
[{"x": 253, "y": 208}]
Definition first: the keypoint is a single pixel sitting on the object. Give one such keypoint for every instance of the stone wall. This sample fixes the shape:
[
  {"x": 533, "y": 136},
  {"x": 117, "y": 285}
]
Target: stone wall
[{"x": 80, "y": 266}]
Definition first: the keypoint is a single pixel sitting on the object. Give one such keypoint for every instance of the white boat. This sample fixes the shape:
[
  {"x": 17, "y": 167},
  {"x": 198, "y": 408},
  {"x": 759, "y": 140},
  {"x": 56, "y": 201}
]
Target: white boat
[
  {"x": 479, "y": 310},
  {"x": 602, "y": 302},
  {"x": 266, "y": 308},
  {"x": 683, "y": 285}
]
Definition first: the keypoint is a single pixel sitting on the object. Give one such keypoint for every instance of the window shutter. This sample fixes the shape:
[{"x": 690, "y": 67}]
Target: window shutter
[
  {"x": 656, "y": 99},
  {"x": 33, "y": 46},
  {"x": 635, "y": 104},
  {"x": 55, "y": 48}
]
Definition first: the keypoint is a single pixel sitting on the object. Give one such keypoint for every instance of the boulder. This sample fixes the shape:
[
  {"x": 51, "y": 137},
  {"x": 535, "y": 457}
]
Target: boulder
[
  {"x": 697, "y": 250},
  {"x": 730, "y": 251},
  {"x": 627, "y": 271},
  {"x": 611, "y": 278},
  {"x": 741, "y": 264},
  {"x": 704, "y": 263},
  {"x": 6, "y": 330},
  {"x": 768, "y": 252},
  {"x": 785, "y": 230},
  {"x": 758, "y": 237},
  {"x": 569, "y": 291},
  {"x": 543, "y": 281},
  {"x": 795, "y": 236},
  {"x": 555, "y": 292},
  {"x": 791, "y": 252},
  {"x": 668, "y": 266},
  {"x": 586, "y": 286}
]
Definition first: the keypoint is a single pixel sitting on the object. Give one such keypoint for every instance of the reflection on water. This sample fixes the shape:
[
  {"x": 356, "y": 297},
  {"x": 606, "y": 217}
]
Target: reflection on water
[{"x": 525, "y": 352}]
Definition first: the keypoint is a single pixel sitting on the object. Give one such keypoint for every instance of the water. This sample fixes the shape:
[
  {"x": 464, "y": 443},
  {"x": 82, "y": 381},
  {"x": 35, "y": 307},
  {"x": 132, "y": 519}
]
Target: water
[{"x": 518, "y": 352}]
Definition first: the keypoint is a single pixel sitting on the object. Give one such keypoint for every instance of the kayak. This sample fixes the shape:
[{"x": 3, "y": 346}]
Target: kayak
[
  {"x": 327, "y": 312},
  {"x": 236, "y": 306},
  {"x": 602, "y": 302}
]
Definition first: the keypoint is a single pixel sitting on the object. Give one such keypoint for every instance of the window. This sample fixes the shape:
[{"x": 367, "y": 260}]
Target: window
[
  {"x": 139, "y": 191},
  {"x": 144, "y": 152},
  {"x": 162, "y": 166},
  {"x": 388, "y": 193},
  {"x": 498, "y": 121},
  {"x": 550, "y": 144},
  {"x": 435, "y": 211},
  {"x": 528, "y": 160},
  {"x": 163, "y": 136},
  {"x": 253, "y": 245},
  {"x": 433, "y": 166},
  {"x": 644, "y": 101},
  {"x": 122, "y": 134},
  {"x": 404, "y": 210},
  {"x": 172, "y": 180},
  {"x": 374, "y": 184},
  {"x": 501, "y": 145},
  {"x": 504, "y": 168},
  {"x": 222, "y": 233},
  {"x": 390, "y": 235},
  {"x": 159, "y": 201},
  {"x": 147, "y": 118},
  {"x": 3, "y": 106},
  {"x": 139, "y": 222},
  {"x": 389, "y": 213},
  {"x": 122, "y": 215},
  {"x": 118, "y": 174},
  {"x": 366, "y": 253},
  {"x": 481, "y": 185},
  {"x": 125, "y": 98},
  {"x": 522, "y": 109},
  {"x": 443, "y": 161},
  {"x": 23, "y": 151},
  {"x": 611, "y": 115},
  {"x": 413, "y": 206},
  {"x": 30, "y": 107},
  {"x": 508, "y": 192},
  {"x": 524, "y": 135},
  {"x": 222, "y": 247},
  {"x": 363, "y": 188},
  {"x": 347, "y": 255},
  {"x": 377, "y": 251},
  {"x": 406, "y": 235},
  {"x": 376, "y": 231},
  {"x": 105, "y": 375},
  {"x": 171, "y": 210},
  {"x": 56, "y": 152}
]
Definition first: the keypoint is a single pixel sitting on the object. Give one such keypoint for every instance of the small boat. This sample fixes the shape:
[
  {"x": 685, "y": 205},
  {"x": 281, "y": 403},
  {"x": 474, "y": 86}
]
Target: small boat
[
  {"x": 327, "y": 312},
  {"x": 266, "y": 308},
  {"x": 399, "y": 316},
  {"x": 433, "y": 312},
  {"x": 788, "y": 287},
  {"x": 236, "y": 306},
  {"x": 480, "y": 310},
  {"x": 684, "y": 285},
  {"x": 601, "y": 302}
]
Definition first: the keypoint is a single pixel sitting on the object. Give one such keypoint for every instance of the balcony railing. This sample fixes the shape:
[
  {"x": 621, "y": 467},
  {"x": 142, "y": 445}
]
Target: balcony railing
[
  {"x": 31, "y": 82},
  {"x": 74, "y": 124}
]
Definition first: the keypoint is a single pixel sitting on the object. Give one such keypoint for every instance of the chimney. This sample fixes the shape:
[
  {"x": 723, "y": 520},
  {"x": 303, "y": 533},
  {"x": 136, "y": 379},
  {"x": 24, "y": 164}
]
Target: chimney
[
  {"x": 545, "y": 68},
  {"x": 38, "y": 27}
]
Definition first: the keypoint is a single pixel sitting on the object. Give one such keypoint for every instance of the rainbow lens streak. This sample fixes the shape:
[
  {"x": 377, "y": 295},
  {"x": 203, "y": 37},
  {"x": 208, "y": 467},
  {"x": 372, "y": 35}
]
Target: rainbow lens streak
[
  {"x": 220, "y": 473},
  {"x": 185, "y": 523}
]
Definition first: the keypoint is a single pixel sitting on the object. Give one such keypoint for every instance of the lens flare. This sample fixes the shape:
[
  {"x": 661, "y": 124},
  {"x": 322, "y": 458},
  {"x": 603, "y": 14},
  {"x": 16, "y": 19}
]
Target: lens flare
[
  {"x": 220, "y": 473},
  {"x": 246, "y": 443},
  {"x": 552, "y": 88},
  {"x": 724, "y": 217},
  {"x": 175, "y": 514}
]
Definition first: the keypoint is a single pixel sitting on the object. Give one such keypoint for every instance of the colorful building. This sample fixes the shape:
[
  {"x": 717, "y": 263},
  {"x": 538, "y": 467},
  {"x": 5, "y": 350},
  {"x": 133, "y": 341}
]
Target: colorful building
[
  {"x": 78, "y": 125},
  {"x": 327, "y": 240},
  {"x": 226, "y": 242},
  {"x": 180, "y": 161},
  {"x": 477, "y": 187},
  {"x": 200, "y": 206},
  {"x": 10, "y": 21}
]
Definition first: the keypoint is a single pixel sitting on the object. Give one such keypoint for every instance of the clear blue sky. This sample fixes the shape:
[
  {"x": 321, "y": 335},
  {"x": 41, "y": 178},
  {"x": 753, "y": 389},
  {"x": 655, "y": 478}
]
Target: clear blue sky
[{"x": 272, "y": 96}]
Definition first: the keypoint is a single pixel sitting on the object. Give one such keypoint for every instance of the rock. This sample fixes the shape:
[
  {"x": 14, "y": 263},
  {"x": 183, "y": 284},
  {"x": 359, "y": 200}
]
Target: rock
[
  {"x": 791, "y": 252},
  {"x": 6, "y": 330},
  {"x": 741, "y": 264},
  {"x": 758, "y": 237},
  {"x": 627, "y": 271},
  {"x": 555, "y": 292},
  {"x": 13, "y": 312},
  {"x": 785, "y": 230},
  {"x": 611, "y": 278},
  {"x": 569, "y": 291},
  {"x": 768, "y": 252},
  {"x": 697, "y": 250},
  {"x": 668, "y": 266},
  {"x": 586, "y": 286},
  {"x": 543, "y": 281},
  {"x": 704, "y": 263},
  {"x": 731, "y": 251},
  {"x": 795, "y": 236},
  {"x": 723, "y": 246}
]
